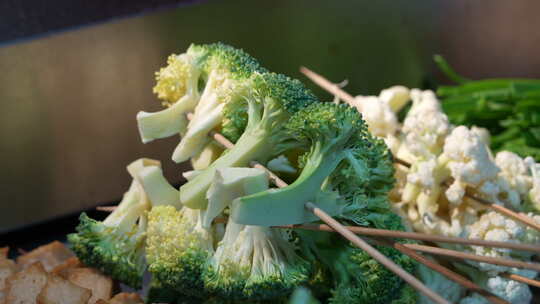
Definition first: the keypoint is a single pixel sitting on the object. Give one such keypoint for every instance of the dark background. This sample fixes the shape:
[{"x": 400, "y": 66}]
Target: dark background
[{"x": 68, "y": 100}]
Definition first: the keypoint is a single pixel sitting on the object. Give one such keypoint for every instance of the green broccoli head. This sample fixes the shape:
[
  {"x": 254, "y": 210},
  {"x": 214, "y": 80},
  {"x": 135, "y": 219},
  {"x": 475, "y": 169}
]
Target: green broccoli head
[
  {"x": 290, "y": 93},
  {"x": 177, "y": 248},
  {"x": 116, "y": 245},
  {"x": 116, "y": 252},
  {"x": 270, "y": 102},
  {"x": 233, "y": 62},
  {"x": 181, "y": 76},
  {"x": 345, "y": 171},
  {"x": 255, "y": 263},
  {"x": 207, "y": 74},
  {"x": 226, "y": 77},
  {"x": 361, "y": 279},
  {"x": 177, "y": 85}
]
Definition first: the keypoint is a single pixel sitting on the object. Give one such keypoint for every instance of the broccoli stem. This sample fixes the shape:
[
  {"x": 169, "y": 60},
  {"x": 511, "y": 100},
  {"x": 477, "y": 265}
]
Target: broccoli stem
[
  {"x": 208, "y": 115},
  {"x": 128, "y": 211},
  {"x": 253, "y": 144},
  {"x": 286, "y": 206},
  {"x": 166, "y": 122}
]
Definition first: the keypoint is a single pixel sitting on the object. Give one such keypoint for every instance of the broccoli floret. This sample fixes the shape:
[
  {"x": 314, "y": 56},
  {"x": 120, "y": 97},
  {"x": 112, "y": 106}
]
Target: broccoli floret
[
  {"x": 271, "y": 100},
  {"x": 255, "y": 263},
  {"x": 177, "y": 85},
  {"x": 116, "y": 245},
  {"x": 358, "y": 278},
  {"x": 202, "y": 79},
  {"x": 177, "y": 248},
  {"x": 227, "y": 72},
  {"x": 346, "y": 172},
  {"x": 251, "y": 263}
]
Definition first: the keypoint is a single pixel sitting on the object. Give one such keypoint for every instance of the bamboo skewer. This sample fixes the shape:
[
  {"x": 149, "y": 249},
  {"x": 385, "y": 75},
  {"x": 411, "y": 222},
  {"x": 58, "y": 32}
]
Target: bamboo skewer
[
  {"x": 106, "y": 208},
  {"x": 522, "y": 279},
  {"x": 474, "y": 257},
  {"x": 420, "y": 237},
  {"x": 503, "y": 210},
  {"x": 461, "y": 280},
  {"x": 337, "y": 91},
  {"x": 374, "y": 253},
  {"x": 429, "y": 249}
]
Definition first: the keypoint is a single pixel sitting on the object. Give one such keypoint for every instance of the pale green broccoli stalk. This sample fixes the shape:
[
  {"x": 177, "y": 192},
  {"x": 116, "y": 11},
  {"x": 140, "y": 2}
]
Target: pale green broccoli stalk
[
  {"x": 227, "y": 72},
  {"x": 255, "y": 263},
  {"x": 157, "y": 188},
  {"x": 251, "y": 262},
  {"x": 116, "y": 245},
  {"x": 303, "y": 295},
  {"x": 177, "y": 248},
  {"x": 271, "y": 100},
  {"x": 177, "y": 85},
  {"x": 347, "y": 172},
  {"x": 228, "y": 184},
  {"x": 207, "y": 156}
]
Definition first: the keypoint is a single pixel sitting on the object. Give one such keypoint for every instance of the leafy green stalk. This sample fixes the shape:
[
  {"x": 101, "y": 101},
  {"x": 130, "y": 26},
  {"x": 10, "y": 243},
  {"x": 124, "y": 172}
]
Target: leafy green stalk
[{"x": 508, "y": 108}]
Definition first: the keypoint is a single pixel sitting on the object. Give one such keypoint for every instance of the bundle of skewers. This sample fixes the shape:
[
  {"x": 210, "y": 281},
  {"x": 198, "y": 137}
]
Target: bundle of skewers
[{"x": 348, "y": 186}]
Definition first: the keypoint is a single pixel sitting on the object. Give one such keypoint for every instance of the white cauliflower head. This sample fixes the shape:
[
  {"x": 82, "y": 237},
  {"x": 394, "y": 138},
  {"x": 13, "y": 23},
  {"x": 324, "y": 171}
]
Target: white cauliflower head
[
  {"x": 510, "y": 290},
  {"x": 380, "y": 118},
  {"x": 514, "y": 170},
  {"x": 467, "y": 157},
  {"x": 425, "y": 126},
  {"x": 396, "y": 97},
  {"x": 483, "y": 133},
  {"x": 493, "y": 226}
]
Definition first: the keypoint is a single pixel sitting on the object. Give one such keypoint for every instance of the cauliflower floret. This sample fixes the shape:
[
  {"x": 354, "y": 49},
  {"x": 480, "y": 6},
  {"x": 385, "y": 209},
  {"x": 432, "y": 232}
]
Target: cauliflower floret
[
  {"x": 510, "y": 290},
  {"x": 482, "y": 133},
  {"x": 425, "y": 126},
  {"x": 493, "y": 226},
  {"x": 515, "y": 171},
  {"x": 396, "y": 97},
  {"x": 422, "y": 139},
  {"x": 393, "y": 143},
  {"x": 381, "y": 120},
  {"x": 449, "y": 290},
  {"x": 468, "y": 159}
]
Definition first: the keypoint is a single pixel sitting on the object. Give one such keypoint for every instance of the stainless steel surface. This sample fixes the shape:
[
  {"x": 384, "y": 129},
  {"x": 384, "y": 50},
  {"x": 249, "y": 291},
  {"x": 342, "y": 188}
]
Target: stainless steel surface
[
  {"x": 24, "y": 19},
  {"x": 68, "y": 101}
]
